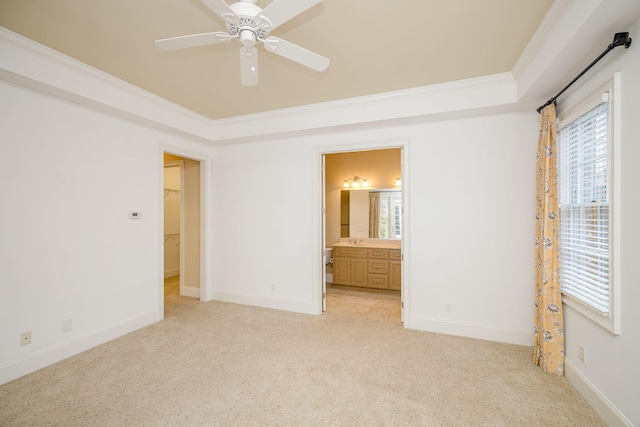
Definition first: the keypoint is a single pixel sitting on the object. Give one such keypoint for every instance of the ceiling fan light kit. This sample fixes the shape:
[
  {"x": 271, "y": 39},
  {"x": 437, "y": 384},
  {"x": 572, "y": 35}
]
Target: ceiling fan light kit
[{"x": 249, "y": 24}]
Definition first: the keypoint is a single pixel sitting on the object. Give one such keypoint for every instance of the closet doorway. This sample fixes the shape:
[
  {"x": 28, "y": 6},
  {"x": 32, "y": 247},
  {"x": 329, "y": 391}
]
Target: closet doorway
[
  {"x": 182, "y": 226},
  {"x": 362, "y": 233}
]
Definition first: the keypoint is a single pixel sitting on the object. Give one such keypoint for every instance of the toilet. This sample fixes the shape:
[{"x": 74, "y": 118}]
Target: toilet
[{"x": 329, "y": 257}]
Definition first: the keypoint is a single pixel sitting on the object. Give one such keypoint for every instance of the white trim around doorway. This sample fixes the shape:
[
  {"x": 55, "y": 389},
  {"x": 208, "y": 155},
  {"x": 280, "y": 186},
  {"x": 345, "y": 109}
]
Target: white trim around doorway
[
  {"x": 319, "y": 226},
  {"x": 206, "y": 286}
]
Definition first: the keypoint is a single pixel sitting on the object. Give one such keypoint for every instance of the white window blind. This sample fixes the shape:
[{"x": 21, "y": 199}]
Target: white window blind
[
  {"x": 390, "y": 215},
  {"x": 583, "y": 182}
]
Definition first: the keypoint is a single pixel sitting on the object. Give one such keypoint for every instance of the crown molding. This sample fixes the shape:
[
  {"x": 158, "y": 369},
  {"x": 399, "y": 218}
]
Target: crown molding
[
  {"x": 553, "y": 36},
  {"x": 571, "y": 31},
  {"x": 554, "y": 45},
  {"x": 542, "y": 36},
  {"x": 33, "y": 65},
  {"x": 441, "y": 99}
]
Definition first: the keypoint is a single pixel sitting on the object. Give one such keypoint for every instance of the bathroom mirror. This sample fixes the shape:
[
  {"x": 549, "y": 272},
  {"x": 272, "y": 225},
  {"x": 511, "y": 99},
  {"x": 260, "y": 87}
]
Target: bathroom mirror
[{"x": 375, "y": 214}]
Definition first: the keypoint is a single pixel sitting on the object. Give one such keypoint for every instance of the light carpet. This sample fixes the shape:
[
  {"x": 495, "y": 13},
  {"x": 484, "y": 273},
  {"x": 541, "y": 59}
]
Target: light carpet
[{"x": 220, "y": 364}]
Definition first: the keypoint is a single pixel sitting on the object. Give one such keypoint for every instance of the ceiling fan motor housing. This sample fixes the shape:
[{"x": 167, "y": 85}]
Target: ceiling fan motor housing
[
  {"x": 247, "y": 28},
  {"x": 247, "y": 37}
]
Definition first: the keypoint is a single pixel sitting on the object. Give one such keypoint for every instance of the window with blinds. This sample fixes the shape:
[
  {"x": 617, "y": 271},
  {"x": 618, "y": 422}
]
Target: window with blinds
[
  {"x": 390, "y": 215},
  {"x": 584, "y": 196}
]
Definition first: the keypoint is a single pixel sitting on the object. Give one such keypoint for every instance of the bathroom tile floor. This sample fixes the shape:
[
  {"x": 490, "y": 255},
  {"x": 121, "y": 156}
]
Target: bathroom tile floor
[{"x": 358, "y": 303}]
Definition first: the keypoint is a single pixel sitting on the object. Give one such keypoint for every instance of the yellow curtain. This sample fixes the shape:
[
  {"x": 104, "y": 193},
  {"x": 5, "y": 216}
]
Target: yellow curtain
[{"x": 549, "y": 324}]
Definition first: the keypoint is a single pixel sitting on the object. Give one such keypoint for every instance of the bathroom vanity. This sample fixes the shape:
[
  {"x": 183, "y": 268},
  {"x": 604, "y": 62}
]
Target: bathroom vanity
[{"x": 367, "y": 266}]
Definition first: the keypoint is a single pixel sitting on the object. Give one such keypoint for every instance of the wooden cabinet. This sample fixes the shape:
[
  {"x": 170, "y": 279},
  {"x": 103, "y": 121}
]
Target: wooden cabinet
[
  {"x": 395, "y": 275},
  {"x": 367, "y": 267},
  {"x": 349, "y": 266},
  {"x": 395, "y": 270}
]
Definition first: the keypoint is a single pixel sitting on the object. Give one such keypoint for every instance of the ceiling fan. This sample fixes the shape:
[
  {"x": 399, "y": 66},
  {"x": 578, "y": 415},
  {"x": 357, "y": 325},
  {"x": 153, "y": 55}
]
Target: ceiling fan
[{"x": 249, "y": 23}]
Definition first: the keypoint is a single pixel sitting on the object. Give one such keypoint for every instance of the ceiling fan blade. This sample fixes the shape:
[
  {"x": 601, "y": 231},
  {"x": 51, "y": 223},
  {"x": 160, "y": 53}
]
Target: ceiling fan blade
[
  {"x": 280, "y": 11},
  {"x": 222, "y": 9},
  {"x": 193, "y": 40},
  {"x": 249, "y": 66},
  {"x": 296, "y": 53}
]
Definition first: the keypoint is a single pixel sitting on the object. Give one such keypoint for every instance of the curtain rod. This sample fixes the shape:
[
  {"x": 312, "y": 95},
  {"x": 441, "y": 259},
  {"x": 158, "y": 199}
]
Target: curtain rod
[{"x": 619, "y": 39}]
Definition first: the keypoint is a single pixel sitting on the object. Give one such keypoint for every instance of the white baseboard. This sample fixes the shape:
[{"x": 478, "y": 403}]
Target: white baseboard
[
  {"x": 329, "y": 277},
  {"x": 188, "y": 291},
  {"x": 172, "y": 272},
  {"x": 265, "y": 302},
  {"x": 48, "y": 356},
  {"x": 598, "y": 401},
  {"x": 471, "y": 330}
]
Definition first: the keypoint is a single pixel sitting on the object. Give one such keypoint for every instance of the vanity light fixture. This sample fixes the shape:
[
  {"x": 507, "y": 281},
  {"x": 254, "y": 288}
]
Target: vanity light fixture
[
  {"x": 357, "y": 182},
  {"x": 398, "y": 182}
]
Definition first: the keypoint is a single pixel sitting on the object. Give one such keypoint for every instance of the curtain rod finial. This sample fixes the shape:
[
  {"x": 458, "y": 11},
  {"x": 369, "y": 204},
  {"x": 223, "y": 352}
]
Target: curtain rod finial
[{"x": 620, "y": 39}]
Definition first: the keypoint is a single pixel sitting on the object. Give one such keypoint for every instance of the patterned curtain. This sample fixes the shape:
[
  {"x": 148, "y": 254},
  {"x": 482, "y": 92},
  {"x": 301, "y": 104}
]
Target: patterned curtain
[
  {"x": 374, "y": 215},
  {"x": 549, "y": 328}
]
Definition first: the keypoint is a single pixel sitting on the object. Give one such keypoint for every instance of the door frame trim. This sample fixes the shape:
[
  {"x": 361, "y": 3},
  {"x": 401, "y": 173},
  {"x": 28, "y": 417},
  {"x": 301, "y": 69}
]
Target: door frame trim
[
  {"x": 320, "y": 222},
  {"x": 206, "y": 237}
]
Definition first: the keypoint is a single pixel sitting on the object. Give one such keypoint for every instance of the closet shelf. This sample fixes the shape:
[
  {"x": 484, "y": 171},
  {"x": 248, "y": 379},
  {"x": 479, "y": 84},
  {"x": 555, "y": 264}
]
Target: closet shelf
[
  {"x": 169, "y": 190},
  {"x": 171, "y": 235}
]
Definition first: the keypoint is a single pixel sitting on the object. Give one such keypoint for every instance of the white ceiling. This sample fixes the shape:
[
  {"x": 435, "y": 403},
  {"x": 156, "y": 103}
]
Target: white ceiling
[{"x": 374, "y": 47}]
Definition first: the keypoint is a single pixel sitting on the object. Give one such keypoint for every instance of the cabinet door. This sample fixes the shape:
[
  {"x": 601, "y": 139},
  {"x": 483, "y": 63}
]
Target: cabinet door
[
  {"x": 358, "y": 272},
  {"x": 395, "y": 275},
  {"x": 341, "y": 271}
]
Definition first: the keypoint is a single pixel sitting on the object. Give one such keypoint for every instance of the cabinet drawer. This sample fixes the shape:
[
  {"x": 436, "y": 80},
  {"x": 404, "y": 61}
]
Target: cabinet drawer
[
  {"x": 396, "y": 255},
  {"x": 378, "y": 266},
  {"x": 378, "y": 281},
  {"x": 378, "y": 253},
  {"x": 349, "y": 252}
]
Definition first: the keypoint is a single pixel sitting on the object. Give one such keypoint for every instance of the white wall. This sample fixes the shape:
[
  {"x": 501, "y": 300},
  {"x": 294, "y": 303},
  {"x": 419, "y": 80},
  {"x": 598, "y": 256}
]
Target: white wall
[
  {"x": 469, "y": 185},
  {"x": 263, "y": 228},
  {"x": 69, "y": 176},
  {"x": 610, "y": 376},
  {"x": 472, "y": 186}
]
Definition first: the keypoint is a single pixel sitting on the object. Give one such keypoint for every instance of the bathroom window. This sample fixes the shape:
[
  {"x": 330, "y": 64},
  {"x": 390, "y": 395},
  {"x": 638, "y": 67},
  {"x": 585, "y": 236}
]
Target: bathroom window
[{"x": 390, "y": 215}]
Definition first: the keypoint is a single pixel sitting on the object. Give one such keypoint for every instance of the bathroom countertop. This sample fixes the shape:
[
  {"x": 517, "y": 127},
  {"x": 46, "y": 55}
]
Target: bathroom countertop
[{"x": 368, "y": 245}]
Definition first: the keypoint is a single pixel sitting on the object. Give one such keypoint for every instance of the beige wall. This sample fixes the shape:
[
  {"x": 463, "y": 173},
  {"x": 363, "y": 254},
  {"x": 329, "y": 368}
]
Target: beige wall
[
  {"x": 380, "y": 167},
  {"x": 191, "y": 268}
]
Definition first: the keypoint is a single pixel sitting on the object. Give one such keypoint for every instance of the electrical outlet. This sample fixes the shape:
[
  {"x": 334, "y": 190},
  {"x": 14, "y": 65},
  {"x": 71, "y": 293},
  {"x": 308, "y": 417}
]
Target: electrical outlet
[
  {"x": 67, "y": 325},
  {"x": 448, "y": 307},
  {"x": 25, "y": 338},
  {"x": 583, "y": 354}
]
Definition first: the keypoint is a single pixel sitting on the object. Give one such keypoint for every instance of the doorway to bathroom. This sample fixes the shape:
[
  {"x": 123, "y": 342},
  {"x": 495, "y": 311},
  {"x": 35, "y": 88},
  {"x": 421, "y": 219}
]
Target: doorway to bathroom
[
  {"x": 363, "y": 219},
  {"x": 182, "y": 227}
]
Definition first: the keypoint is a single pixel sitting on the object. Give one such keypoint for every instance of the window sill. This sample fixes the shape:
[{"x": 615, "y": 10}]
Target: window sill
[{"x": 602, "y": 319}]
